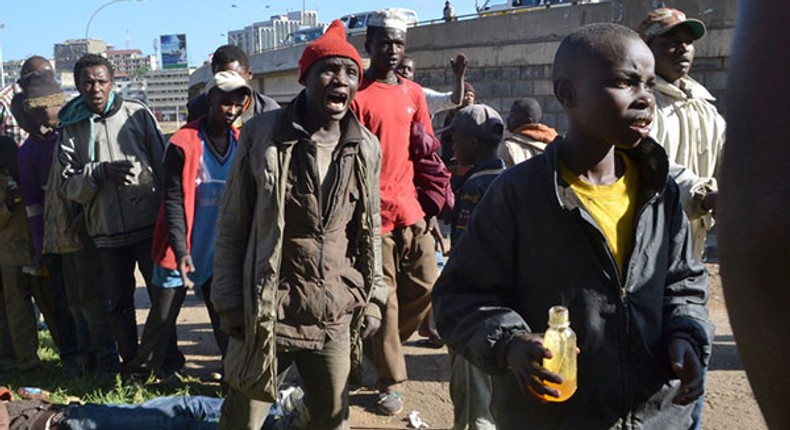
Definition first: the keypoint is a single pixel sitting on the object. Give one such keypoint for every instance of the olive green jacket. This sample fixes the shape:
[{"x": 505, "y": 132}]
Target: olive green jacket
[{"x": 249, "y": 241}]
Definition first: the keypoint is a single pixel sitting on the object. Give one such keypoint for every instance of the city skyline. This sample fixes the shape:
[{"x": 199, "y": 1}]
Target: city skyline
[{"x": 205, "y": 22}]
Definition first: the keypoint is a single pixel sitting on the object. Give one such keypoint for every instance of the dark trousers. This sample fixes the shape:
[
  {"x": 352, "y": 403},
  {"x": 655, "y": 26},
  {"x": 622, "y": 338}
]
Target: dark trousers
[
  {"x": 118, "y": 265},
  {"x": 7, "y": 355},
  {"x": 89, "y": 302},
  {"x": 159, "y": 353},
  {"x": 219, "y": 336},
  {"x": 50, "y": 295}
]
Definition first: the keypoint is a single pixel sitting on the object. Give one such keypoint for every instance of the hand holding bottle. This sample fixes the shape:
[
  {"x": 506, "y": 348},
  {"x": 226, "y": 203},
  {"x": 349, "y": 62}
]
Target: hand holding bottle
[{"x": 525, "y": 358}]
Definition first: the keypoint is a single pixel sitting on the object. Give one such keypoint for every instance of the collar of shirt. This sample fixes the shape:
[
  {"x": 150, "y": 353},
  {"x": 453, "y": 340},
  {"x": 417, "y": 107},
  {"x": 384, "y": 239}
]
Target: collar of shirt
[{"x": 689, "y": 89}]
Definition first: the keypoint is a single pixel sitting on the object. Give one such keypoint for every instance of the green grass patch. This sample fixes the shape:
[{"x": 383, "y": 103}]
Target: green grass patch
[{"x": 89, "y": 388}]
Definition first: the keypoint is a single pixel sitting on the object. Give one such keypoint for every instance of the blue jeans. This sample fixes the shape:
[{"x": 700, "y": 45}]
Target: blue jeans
[
  {"x": 696, "y": 414},
  {"x": 163, "y": 413}
]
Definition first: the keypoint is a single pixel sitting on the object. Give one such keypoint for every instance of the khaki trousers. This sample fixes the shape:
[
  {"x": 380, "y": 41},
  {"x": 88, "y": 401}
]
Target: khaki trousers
[
  {"x": 20, "y": 316},
  {"x": 409, "y": 264},
  {"x": 324, "y": 379}
]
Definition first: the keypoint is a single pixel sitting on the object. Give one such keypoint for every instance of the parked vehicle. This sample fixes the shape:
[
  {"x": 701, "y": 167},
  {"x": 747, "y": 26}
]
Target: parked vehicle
[
  {"x": 304, "y": 35},
  {"x": 356, "y": 23},
  {"x": 515, "y": 6}
]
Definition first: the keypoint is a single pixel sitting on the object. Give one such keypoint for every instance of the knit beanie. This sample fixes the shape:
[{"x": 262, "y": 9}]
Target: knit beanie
[
  {"x": 332, "y": 44},
  {"x": 469, "y": 88},
  {"x": 42, "y": 91}
]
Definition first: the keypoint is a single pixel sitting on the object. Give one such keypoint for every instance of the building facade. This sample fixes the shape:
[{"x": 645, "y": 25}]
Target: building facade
[
  {"x": 263, "y": 36},
  {"x": 132, "y": 87},
  {"x": 68, "y": 52},
  {"x": 11, "y": 70},
  {"x": 168, "y": 93},
  {"x": 131, "y": 62}
]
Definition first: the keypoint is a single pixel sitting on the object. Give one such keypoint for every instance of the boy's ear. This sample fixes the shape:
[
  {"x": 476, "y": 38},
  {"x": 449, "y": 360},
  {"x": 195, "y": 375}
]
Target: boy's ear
[
  {"x": 564, "y": 92},
  {"x": 367, "y": 45}
]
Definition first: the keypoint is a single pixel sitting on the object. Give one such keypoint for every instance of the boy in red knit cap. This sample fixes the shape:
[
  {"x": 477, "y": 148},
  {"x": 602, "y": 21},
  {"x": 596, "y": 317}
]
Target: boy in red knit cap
[{"x": 297, "y": 268}]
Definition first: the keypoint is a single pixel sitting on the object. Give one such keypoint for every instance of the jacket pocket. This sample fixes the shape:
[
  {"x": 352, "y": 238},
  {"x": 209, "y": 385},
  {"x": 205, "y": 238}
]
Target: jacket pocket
[{"x": 353, "y": 297}]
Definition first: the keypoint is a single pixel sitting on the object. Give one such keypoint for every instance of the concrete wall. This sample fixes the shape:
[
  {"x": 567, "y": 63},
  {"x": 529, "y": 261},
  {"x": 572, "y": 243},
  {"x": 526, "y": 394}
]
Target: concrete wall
[{"x": 511, "y": 55}]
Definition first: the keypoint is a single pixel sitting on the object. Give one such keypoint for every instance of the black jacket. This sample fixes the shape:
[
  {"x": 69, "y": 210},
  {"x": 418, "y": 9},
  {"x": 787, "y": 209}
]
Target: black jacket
[{"x": 530, "y": 245}]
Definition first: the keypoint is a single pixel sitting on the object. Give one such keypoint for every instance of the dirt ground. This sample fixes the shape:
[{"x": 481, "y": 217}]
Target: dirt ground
[{"x": 729, "y": 402}]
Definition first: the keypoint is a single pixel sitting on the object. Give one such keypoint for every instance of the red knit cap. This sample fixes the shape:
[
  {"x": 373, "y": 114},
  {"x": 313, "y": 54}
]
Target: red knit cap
[{"x": 332, "y": 44}]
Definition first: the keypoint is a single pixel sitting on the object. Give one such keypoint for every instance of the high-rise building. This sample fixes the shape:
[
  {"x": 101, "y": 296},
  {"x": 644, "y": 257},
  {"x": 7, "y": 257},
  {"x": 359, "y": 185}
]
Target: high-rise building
[
  {"x": 131, "y": 62},
  {"x": 131, "y": 87},
  {"x": 262, "y": 36},
  {"x": 168, "y": 93},
  {"x": 11, "y": 70},
  {"x": 68, "y": 52}
]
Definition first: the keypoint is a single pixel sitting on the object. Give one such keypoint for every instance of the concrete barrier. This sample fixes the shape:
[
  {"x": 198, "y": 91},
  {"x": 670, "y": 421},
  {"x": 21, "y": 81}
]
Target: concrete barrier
[{"x": 511, "y": 55}]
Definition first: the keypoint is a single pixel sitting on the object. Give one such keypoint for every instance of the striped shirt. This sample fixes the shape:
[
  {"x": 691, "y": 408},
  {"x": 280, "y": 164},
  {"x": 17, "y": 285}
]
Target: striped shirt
[{"x": 8, "y": 124}]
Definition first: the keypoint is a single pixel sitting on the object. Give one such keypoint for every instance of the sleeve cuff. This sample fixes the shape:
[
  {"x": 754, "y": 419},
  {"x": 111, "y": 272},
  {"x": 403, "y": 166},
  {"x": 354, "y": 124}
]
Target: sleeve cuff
[
  {"x": 697, "y": 193},
  {"x": 373, "y": 310},
  {"x": 698, "y": 350}
]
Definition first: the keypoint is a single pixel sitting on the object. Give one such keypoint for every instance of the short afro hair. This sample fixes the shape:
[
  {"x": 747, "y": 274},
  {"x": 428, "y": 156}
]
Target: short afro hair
[
  {"x": 91, "y": 60},
  {"x": 528, "y": 107},
  {"x": 227, "y": 54},
  {"x": 585, "y": 43}
]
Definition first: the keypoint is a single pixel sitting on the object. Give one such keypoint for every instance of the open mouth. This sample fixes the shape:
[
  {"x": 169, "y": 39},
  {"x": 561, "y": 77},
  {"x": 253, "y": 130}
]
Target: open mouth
[
  {"x": 337, "y": 101},
  {"x": 642, "y": 125}
]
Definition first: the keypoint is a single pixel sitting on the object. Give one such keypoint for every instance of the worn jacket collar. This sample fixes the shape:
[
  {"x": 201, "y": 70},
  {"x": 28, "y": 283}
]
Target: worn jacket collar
[
  {"x": 77, "y": 111},
  {"x": 649, "y": 156},
  {"x": 691, "y": 89},
  {"x": 289, "y": 129},
  {"x": 495, "y": 165}
]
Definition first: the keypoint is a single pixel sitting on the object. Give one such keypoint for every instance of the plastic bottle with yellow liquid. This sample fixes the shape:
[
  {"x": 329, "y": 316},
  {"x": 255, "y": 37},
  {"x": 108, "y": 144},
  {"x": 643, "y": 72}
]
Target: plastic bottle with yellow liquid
[{"x": 561, "y": 341}]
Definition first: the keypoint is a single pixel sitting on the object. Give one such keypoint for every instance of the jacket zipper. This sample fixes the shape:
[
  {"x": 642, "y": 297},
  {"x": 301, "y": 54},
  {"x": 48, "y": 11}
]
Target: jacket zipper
[
  {"x": 117, "y": 188},
  {"x": 621, "y": 278},
  {"x": 623, "y": 294},
  {"x": 321, "y": 224}
]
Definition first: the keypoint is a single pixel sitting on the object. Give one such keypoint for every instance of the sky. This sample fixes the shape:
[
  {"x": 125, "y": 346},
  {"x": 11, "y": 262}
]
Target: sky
[{"x": 137, "y": 23}]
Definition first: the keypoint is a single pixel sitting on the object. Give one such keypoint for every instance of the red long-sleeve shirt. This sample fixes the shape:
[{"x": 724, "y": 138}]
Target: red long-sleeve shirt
[{"x": 388, "y": 111}]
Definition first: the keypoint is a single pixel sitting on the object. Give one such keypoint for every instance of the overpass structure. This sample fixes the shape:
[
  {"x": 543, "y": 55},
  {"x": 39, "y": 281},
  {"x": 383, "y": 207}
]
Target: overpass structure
[{"x": 511, "y": 55}]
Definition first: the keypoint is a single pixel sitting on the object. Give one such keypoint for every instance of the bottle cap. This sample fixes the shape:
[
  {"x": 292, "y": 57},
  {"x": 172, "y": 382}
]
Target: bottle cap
[{"x": 558, "y": 316}]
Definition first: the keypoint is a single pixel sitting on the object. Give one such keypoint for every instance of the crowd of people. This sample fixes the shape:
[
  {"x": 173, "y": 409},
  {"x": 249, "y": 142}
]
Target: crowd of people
[{"x": 311, "y": 230}]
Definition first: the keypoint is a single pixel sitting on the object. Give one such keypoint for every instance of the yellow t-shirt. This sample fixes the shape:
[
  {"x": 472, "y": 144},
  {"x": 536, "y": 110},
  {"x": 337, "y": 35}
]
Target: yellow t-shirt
[{"x": 611, "y": 206}]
